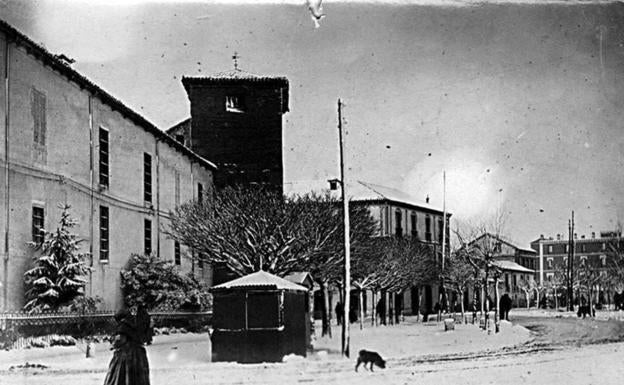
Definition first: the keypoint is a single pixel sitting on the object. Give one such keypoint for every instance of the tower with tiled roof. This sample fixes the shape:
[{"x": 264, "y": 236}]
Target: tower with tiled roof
[{"x": 236, "y": 122}]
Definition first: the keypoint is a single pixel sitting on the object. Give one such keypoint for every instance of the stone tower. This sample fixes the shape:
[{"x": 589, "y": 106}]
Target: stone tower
[{"x": 236, "y": 122}]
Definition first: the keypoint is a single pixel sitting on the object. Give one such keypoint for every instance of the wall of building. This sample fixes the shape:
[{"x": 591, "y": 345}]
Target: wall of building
[
  {"x": 63, "y": 171},
  {"x": 594, "y": 252},
  {"x": 386, "y": 215}
]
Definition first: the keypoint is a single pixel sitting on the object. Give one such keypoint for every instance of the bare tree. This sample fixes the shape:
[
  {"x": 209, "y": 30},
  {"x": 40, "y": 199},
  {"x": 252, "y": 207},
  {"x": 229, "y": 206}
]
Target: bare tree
[
  {"x": 257, "y": 228},
  {"x": 405, "y": 263},
  {"x": 528, "y": 287},
  {"x": 556, "y": 283},
  {"x": 459, "y": 275},
  {"x": 479, "y": 245}
]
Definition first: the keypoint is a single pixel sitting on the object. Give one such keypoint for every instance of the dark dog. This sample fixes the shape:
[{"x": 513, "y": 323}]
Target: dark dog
[{"x": 374, "y": 358}]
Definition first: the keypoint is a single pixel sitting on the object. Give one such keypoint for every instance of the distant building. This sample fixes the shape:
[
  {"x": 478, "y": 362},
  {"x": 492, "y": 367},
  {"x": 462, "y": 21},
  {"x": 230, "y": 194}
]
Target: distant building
[
  {"x": 236, "y": 121},
  {"x": 594, "y": 252},
  {"x": 67, "y": 141},
  {"x": 517, "y": 265},
  {"x": 401, "y": 215}
]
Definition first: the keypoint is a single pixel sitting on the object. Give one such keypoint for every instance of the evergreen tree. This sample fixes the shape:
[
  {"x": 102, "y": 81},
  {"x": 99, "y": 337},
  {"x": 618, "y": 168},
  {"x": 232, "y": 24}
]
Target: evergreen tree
[{"x": 59, "y": 275}]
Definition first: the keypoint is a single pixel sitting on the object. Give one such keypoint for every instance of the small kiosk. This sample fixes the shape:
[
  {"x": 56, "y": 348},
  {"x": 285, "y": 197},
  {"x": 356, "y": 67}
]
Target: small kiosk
[{"x": 259, "y": 318}]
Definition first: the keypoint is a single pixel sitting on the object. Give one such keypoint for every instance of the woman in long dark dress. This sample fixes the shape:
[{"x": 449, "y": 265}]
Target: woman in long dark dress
[{"x": 129, "y": 365}]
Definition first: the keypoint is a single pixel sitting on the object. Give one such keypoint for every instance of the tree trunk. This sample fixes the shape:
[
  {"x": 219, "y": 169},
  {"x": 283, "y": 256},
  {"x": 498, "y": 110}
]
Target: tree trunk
[
  {"x": 388, "y": 317},
  {"x": 482, "y": 301},
  {"x": 374, "y": 314},
  {"x": 391, "y": 308},
  {"x": 326, "y": 330},
  {"x": 420, "y": 291},
  {"x": 556, "y": 299},
  {"x": 497, "y": 299},
  {"x": 440, "y": 302},
  {"x": 361, "y": 295},
  {"x": 474, "y": 302},
  {"x": 463, "y": 312},
  {"x": 397, "y": 309},
  {"x": 591, "y": 298}
]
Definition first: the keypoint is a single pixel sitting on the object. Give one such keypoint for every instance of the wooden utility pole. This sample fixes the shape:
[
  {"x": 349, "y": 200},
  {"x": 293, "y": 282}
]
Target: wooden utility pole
[
  {"x": 443, "y": 218},
  {"x": 570, "y": 275},
  {"x": 347, "y": 241}
]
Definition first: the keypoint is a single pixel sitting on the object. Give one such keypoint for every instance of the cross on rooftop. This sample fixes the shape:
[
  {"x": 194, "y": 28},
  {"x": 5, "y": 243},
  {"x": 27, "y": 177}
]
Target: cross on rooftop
[{"x": 235, "y": 57}]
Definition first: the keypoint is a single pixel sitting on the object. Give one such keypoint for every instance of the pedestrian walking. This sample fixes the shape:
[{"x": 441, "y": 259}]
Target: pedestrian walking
[
  {"x": 129, "y": 365},
  {"x": 381, "y": 311},
  {"x": 339, "y": 313}
]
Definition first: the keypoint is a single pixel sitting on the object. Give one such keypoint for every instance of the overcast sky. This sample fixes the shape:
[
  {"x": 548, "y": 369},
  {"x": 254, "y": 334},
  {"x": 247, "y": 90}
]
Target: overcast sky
[{"x": 521, "y": 104}]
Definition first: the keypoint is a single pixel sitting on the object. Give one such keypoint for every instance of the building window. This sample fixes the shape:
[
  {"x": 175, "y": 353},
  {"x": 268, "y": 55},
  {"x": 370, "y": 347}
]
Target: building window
[
  {"x": 200, "y": 193},
  {"x": 104, "y": 234},
  {"x": 147, "y": 177},
  {"x": 603, "y": 260},
  {"x": 38, "y": 110},
  {"x": 176, "y": 253},
  {"x": 550, "y": 249},
  {"x": 550, "y": 263},
  {"x": 398, "y": 218},
  {"x": 583, "y": 260},
  {"x": 414, "y": 226},
  {"x": 604, "y": 246},
  {"x": 440, "y": 230},
  {"x": 582, "y": 248},
  {"x": 103, "y": 162},
  {"x": 38, "y": 219},
  {"x": 567, "y": 248},
  {"x": 147, "y": 236},
  {"x": 428, "y": 228},
  {"x": 234, "y": 103}
]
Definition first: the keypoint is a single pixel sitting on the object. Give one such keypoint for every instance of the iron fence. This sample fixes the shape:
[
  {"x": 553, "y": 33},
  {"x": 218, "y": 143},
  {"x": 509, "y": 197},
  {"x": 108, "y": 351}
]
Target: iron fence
[{"x": 19, "y": 329}]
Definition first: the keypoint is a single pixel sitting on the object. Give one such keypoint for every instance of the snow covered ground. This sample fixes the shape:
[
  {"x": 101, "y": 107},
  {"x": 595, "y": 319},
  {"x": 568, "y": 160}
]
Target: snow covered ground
[{"x": 416, "y": 353}]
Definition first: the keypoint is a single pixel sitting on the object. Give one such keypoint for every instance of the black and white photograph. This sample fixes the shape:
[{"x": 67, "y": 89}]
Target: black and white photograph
[{"x": 311, "y": 191}]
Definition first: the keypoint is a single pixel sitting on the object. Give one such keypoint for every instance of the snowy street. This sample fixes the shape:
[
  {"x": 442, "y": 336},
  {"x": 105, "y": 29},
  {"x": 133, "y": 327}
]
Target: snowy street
[{"x": 416, "y": 353}]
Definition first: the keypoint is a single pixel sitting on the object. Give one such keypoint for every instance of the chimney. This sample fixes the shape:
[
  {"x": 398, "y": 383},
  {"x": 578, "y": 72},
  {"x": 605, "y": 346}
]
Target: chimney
[
  {"x": 427, "y": 199},
  {"x": 558, "y": 237},
  {"x": 583, "y": 236},
  {"x": 575, "y": 236},
  {"x": 541, "y": 236},
  {"x": 593, "y": 235}
]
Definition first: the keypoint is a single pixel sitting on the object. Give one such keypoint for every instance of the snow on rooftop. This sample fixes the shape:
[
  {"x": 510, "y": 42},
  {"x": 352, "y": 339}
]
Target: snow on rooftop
[{"x": 260, "y": 279}]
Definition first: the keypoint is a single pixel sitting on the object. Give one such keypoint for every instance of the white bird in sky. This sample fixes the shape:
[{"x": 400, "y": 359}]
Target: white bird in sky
[{"x": 316, "y": 11}]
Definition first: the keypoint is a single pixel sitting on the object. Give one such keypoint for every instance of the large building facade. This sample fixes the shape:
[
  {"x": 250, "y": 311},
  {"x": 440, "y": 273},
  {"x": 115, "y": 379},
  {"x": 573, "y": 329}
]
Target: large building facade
[
  {"x": 64, "y": 140},
  {"x": 400, "y": 215}
]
